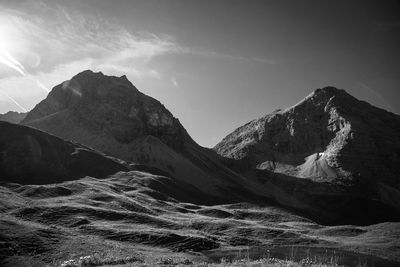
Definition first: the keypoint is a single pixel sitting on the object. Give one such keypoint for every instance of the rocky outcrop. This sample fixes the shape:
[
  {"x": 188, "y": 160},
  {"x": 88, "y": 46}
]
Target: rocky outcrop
[
  {"x": 330, "y": 138},
  {"x": 13, "y": 116},
  {"x": 29, "y": 156}
]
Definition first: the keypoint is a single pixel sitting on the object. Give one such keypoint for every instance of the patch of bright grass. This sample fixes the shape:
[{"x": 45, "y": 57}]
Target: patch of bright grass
[{"x": 88, "y": 261}]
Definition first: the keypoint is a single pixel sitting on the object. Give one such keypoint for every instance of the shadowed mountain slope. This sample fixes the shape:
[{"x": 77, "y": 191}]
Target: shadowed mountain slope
[{"x": 29, "y": 156}]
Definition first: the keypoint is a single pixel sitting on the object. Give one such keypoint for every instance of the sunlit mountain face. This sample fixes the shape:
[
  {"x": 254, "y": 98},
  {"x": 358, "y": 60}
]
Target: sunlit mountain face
[{"x": 199, "y": 133}]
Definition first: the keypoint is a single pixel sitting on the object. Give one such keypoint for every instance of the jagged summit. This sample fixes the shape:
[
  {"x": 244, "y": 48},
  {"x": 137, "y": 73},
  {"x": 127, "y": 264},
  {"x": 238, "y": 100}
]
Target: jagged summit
[
  {"x": 326, "y": 93},
  {"x": 331, "y": 90},
  {"x": 88, "y": 72},
  {"x": 322, "y": 96},
  {"x": 90, "y": 76}
]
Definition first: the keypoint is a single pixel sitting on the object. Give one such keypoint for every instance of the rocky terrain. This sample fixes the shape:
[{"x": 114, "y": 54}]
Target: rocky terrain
[
  {"x": 13, "y": 116},
  {"x": 99, "y": 169}
]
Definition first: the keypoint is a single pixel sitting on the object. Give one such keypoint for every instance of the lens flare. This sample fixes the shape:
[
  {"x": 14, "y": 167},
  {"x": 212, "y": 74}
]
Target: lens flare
[
  {"x": 10, "y": 43},
  {"x": 10, "y": 39},
  {"x": 42, "y": 86},
  {"x": 7, "y": 59},
  {"x": 14, "y": 101}
]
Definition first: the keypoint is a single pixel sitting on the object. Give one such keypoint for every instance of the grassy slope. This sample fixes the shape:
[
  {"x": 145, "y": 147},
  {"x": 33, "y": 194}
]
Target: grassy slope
[{"x": 128, "y": 216}]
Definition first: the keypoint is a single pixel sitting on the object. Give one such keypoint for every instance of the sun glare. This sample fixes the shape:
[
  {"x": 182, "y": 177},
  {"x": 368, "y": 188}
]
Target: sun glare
[
  {"x": 10, "y": 46},
  {"x": 5, "y": 37}
]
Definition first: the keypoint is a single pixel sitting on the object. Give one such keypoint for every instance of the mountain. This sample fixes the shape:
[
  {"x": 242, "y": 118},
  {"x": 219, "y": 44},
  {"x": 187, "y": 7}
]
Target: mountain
[
  {"x": 13, "y": 116},
  {"x": 101, "y": 106},
  {"x": 109, "y": 114},
  {"x": 29, "y": 156},
  {"x": 329, "y": 147}
]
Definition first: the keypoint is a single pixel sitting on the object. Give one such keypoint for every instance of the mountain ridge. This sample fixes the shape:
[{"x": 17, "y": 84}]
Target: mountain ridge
[
  {"x": 13, "y": 116},
  {"x": 296, "y": 157}
]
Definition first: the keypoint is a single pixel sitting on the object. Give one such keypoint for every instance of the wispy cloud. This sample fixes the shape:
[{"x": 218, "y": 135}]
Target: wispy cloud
[
  {"x": 51, "y": 43},
  {"x": 71, "y": 36},
  {"x": 221, "y": 55},
  {"x": 51, "y": 35},
  {"x": 45, "y": 43}
]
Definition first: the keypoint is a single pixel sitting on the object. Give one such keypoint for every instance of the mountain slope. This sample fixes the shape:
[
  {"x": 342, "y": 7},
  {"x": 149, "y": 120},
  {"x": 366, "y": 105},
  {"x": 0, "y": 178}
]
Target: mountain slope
[
  {"x": 29, "y": 156},
  {"x": 110, "y": 115},
  {"x": 338, "y": 144},
  {"x": 12, "y": 116}
]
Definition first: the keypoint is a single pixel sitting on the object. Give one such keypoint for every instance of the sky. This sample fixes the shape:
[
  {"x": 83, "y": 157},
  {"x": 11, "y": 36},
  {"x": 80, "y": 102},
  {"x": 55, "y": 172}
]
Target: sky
[{"x": 214, "y": 64}]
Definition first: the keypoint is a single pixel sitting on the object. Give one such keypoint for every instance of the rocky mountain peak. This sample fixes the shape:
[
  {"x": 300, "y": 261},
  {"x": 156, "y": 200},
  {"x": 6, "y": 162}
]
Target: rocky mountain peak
[
  {"x": 347, "y": 136},
  {"x": 328, "y": 146},
  {"x": 85, "y": 88},
  {"x": 92, "y": 103}
]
